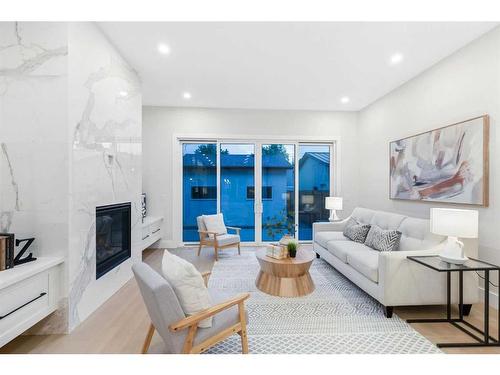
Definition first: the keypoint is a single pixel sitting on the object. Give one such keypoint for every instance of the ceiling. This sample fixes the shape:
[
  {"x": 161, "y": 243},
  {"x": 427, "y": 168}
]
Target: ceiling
[{"x": 300, "y": 65}]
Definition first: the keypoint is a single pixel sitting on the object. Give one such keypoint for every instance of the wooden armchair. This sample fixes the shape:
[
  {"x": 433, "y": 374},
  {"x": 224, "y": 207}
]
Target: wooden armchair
[
  {"x": 180, "y": 333},
  {"x": 216, "y": 240}
]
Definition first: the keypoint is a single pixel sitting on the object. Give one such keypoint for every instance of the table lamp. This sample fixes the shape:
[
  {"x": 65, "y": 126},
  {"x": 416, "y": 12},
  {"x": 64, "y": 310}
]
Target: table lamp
[
  {"x": 454, "y": 223},
  {"x": 307, "y": 201},
  {"x": 333, "y": 204}
]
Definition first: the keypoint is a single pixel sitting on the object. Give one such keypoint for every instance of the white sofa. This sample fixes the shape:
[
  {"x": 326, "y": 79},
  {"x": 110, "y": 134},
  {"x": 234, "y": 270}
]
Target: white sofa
[{"x": 389, "y": 277}]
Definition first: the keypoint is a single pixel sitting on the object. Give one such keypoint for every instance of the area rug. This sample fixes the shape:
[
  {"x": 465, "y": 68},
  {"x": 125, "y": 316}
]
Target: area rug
[{"x": 337, "y": 318}]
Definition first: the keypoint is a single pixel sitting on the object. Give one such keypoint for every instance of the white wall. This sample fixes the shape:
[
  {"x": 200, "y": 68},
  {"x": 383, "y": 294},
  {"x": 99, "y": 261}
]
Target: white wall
[
  {"x": 161, "y": 123},
  {"x": 462, "y": 86},
  {"x": 34, "y": 152},
  {"x": 33, "y": 133},
  {"x": 61, "y": 114}
]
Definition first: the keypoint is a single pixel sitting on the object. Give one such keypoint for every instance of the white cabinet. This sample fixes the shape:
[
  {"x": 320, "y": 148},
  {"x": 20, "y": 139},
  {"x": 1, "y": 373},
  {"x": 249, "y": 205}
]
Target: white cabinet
[
  {"x": 28, "y": 293},
  {"x": 151, "y": 231}
]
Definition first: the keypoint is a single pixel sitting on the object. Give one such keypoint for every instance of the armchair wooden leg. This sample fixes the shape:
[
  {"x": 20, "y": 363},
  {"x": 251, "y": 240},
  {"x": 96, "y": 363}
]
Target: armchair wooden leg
[
  {"x": 148, "y": 339},
  {"x": 239, "y": 248},
  {"x": 216, "y": 253},
  {"x": 188, "y": 344},
  {"x": 243, "y": 333},
  {"x": 199, "y": 249}
]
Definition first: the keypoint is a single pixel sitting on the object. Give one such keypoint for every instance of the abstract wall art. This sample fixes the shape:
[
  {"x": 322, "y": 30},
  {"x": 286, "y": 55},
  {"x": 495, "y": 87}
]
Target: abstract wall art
[{"x": 445, "y": 165}]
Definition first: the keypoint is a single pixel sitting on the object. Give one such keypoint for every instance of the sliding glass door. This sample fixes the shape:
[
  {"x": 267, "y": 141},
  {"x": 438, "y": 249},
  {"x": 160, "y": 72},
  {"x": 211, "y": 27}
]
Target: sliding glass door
[
  {"x": 267, "y": 189},
  {"x": 199, "y": 193},
  {"x": 314, "y": 186},
  {"x": 278, "y": 191},
  {"x": 237, "y": 187}
]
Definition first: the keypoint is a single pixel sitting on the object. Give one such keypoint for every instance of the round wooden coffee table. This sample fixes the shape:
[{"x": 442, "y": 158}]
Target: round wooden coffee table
[{"x": 285, "y": 277}]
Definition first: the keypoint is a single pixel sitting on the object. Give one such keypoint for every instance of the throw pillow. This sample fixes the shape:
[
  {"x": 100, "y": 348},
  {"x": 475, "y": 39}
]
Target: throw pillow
[
  {"x": 188, "y": 285},
  {"x": 352, "y": 221},
  {"x": 357, "y": 232},
  {"x": 215, "y": 223},
  {"x": 383, "y": 240},
  {"x": 369, "y": 238}
]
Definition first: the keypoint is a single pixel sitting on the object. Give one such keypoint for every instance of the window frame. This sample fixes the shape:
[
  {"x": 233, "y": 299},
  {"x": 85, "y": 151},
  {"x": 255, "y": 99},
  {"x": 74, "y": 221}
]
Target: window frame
[
  {"x": 264, "y": 199},
  {"x": 214, "y": 187}
]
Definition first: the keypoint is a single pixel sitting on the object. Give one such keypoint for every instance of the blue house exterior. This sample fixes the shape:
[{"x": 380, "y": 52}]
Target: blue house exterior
[
  {"x": 237, "y": 190},
  {"x": 314, "y": 183},
  {"x": 238, "y": 195}
]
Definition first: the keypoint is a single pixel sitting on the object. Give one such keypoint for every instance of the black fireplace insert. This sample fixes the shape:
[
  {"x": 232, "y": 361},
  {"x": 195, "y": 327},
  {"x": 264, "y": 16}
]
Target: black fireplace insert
[{"x": 113, "y": 236}]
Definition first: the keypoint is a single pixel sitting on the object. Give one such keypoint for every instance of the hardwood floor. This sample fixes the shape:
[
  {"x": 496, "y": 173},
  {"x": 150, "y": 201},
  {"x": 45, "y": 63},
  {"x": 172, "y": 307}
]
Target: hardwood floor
[{"x": 120, "y": 325}]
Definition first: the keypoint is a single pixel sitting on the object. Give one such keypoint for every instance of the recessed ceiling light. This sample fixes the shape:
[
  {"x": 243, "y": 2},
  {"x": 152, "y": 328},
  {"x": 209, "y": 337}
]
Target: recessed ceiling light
[
  {"x": 186, "y": 95},
  {"x": 123, "y": 94},
  {"x": 345, "y": 99},
  {"x": 163, "y": 48},
  {"x": 396, "y": 58}
]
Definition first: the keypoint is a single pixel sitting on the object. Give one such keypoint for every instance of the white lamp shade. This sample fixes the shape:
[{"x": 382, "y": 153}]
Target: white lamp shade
[
  {"x": 333, "y": 203},
  {"x": 454, "y": 222},
  {"x": 308, "y": 199}
]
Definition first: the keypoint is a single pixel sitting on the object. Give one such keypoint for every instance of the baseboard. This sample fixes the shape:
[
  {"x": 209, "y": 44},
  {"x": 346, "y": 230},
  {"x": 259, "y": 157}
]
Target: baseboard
[
  {"x": 493, "y": 298},
  {"x": 171, "y": 244}
]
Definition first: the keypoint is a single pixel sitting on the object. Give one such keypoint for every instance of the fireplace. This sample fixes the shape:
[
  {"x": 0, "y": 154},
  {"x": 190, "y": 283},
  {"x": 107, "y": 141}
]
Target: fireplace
[{"x": 113, "y": 227}]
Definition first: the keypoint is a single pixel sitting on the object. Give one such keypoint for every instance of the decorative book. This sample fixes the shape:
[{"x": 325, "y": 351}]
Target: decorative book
[{"x": 277, "y": 251}]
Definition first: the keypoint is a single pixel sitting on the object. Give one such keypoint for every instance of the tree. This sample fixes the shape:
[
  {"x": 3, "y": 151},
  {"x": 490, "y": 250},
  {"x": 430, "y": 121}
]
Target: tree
[
  {"x": 275, "y": 149},
  {"x": 209, "y": 149}
]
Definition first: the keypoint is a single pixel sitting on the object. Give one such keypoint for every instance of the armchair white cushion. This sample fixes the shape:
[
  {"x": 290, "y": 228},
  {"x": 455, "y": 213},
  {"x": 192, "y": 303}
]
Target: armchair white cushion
[
  {"x": 215, "y": 223},
  {"x": 188, "y": 285},
  {"x": 228, "y": 239}
]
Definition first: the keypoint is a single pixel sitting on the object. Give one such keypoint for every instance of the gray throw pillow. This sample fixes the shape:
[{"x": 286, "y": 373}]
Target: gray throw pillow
[
  {"x": 369, "y": 238},
  {"x": 355, "y": 231},
  {"x": 383, "y": 240}
]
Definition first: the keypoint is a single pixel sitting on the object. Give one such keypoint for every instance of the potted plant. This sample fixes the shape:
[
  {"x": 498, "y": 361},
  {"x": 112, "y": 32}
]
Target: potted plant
[
  {"x": 292, "y": 249},
  {"x": 279, "y": 225}
]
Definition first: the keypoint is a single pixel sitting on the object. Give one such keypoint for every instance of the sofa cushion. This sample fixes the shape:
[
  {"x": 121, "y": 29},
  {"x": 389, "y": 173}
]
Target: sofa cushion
[
  {"x": 416, "y": 235},
  {"x": 322, "y": 238},
  {"x": 362, "y": 215},
  {"x": 383, "y": 240},
  {"x": 341, "y": 248},
  {"x": 357, "y": 232},
  {"x": 387, "y": 220},
  {"x": 365, "y": 262}
]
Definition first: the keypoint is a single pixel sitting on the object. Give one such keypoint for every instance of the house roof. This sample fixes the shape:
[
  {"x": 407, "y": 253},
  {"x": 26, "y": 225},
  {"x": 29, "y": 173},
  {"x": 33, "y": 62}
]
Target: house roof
[
  {"x": 236, "y": 161},
  {"x": 322, "y": 157}
]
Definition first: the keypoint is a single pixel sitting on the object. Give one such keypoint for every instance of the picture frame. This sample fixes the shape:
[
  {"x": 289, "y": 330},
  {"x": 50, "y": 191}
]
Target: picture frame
[{"x": 449, "y": 164}]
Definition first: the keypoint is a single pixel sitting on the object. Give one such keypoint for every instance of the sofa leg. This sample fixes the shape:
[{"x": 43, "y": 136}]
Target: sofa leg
[
  {"x": 466, "y": 309},
  {"x": 388, "y": 311},
  {"x": 318, "y": 256}
]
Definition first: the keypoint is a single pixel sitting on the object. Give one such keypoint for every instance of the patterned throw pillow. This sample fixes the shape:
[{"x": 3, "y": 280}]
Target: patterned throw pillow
[
  {"x": 355, "y": 231},
  {"x": 369, "y": 238},
  {"x": 383, "y": 240}
]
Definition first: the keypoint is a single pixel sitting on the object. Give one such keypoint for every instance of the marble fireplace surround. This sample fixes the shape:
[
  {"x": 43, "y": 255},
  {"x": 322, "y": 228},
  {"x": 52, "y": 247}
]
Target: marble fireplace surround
[{"x": 70, "y": 140}]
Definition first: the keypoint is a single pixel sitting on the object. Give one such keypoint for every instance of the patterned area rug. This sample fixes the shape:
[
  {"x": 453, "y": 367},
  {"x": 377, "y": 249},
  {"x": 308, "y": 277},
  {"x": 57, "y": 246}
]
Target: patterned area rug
[{"x": 337, "y": 317}]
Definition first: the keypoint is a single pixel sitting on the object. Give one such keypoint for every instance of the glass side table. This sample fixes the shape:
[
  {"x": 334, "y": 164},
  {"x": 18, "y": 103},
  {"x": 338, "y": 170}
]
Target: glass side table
[{"x": 472, "y": 265}]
